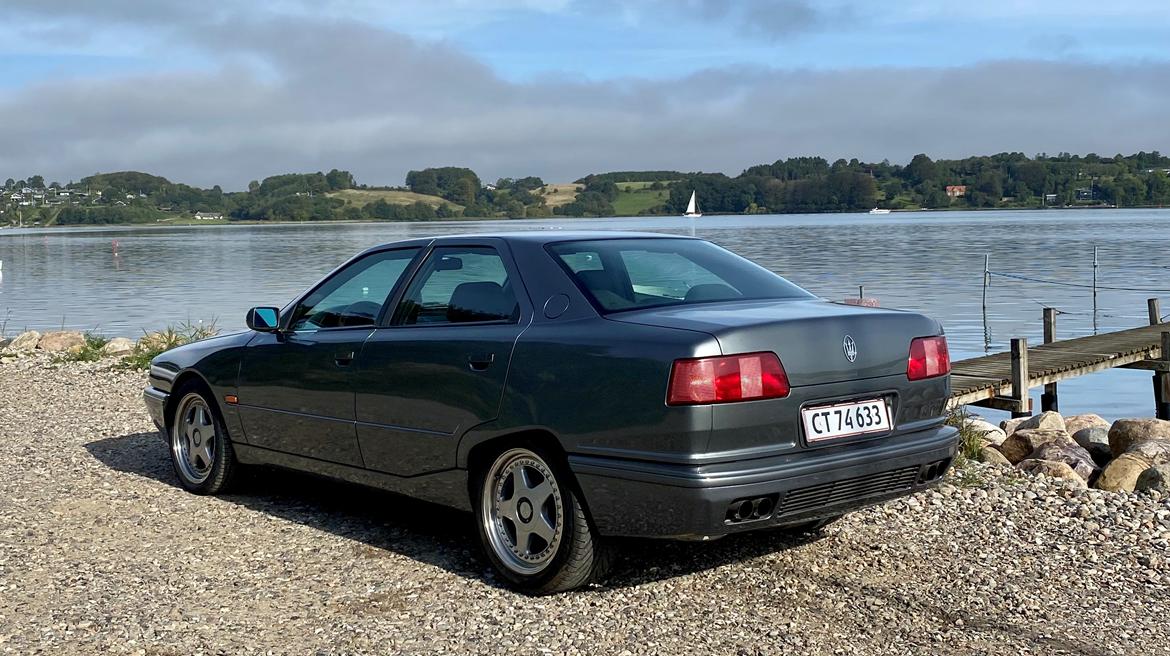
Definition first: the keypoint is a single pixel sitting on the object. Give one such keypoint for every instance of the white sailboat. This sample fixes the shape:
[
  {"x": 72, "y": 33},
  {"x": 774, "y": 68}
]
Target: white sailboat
[{"x": 693, "y": 208}]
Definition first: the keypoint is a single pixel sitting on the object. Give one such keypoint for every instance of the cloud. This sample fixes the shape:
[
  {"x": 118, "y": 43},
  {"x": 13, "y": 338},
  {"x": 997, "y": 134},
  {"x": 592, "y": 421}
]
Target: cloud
[{"x": 289, "y": 93}]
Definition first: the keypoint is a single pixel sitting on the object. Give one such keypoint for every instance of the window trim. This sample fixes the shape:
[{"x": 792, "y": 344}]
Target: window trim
[
  {"x": 394, "y": 319},
  {"x": 390, "y": 301}
]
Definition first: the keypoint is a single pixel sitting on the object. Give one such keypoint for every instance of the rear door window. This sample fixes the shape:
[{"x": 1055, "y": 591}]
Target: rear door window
[{"x": 460, "y": 284}]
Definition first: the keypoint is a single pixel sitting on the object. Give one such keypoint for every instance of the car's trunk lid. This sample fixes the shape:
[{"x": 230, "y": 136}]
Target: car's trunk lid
[{"x": 810, "y": 336}]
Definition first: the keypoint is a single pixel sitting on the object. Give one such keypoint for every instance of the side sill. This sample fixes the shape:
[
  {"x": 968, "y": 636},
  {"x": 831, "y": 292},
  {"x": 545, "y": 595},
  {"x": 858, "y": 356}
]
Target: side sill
[{"x": 447, "y": 488}]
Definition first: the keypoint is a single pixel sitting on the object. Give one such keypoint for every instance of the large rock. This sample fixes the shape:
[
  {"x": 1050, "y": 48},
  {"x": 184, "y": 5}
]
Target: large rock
[
  {"x": 1070, "y": 454},
  {"x": 1127, "y": 432},
  {"x": 1154, "y": 478},
  {"x": 1122, "y": 472},
  {"x": 1156, "y": 451},
  {"x": 1076, "y": 423},
  {"x": 1095, "y": 440},
  {"x": 118, "y": 346},
  {"x": 1009, "y": 426},
  {"x": 1020, "y": 444},
  {"x": 992, "y": 456},
  {"x": 1048, "y": 420},
  {"x": 25, "y": 341},
  {"x": 1052, "y": 468},
  {"x": 61, "y": 341},
  {"x": 989, "y": 432}
]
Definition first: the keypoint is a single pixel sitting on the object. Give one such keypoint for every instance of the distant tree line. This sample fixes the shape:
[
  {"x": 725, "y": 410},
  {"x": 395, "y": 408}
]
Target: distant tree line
[
  {"x": 812, "y": 184},
  {"x": 796, "y": 184}
]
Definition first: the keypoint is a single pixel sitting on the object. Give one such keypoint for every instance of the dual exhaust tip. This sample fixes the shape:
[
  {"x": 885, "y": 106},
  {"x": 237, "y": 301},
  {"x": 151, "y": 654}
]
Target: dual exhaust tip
[{"x": 751, "y": 509}]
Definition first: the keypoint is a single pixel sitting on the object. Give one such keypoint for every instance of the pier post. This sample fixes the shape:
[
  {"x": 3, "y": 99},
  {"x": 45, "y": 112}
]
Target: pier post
[
  {"x": 1023, "y": 405},
  {"x": 1162, "y": 383},
  {"x": 1161, "y": 378},
  {"x": 1049, "y": 399}
]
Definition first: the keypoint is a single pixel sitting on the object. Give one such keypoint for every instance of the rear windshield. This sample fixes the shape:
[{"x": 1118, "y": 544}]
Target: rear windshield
[{"x": 627, "y": 274}]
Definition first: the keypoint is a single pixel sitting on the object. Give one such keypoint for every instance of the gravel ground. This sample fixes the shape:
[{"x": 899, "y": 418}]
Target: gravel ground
[{"x": 101, "y": 552}]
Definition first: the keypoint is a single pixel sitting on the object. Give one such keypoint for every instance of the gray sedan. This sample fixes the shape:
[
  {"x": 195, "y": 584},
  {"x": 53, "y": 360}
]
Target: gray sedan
[{"x": 568, "y": 387}]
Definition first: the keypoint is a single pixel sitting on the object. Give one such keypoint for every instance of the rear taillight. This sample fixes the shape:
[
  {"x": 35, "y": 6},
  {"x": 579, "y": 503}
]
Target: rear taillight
[
  {"x": 727, "y": 378},
  {"x": 928, "y": 358}
]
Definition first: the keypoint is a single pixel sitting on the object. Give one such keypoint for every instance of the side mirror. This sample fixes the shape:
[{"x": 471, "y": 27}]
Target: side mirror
[{"x": 264, "y": 319}]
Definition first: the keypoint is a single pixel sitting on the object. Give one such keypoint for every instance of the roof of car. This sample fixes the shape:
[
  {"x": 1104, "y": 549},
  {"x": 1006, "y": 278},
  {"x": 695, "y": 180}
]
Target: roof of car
[
  {"x": 529, "y": 236},
  {"x": 555, "y": 235}
]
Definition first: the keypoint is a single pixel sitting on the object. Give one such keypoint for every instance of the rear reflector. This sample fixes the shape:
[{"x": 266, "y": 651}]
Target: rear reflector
[
  {"x": 727, "y": 378},
  {"x": 928, "y": 358}
]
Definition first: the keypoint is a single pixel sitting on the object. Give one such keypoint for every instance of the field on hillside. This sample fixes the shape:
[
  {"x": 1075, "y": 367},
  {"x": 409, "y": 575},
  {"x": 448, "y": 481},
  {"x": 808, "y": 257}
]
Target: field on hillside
[
  {"x": 557, "y": 193},
  {"x": 362, "y": 197}
]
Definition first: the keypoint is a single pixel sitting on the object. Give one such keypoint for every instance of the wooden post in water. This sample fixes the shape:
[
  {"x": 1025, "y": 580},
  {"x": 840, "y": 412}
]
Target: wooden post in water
[
  {"x": 1094, "y": 280},
  {"x": 1161, "y": 378},
  {"x": 986, "y": 281},
  {"x": 1162, "y": 382},
  {"x": 1049, "y": 399},
  {"x": 1023, "y": 405}
]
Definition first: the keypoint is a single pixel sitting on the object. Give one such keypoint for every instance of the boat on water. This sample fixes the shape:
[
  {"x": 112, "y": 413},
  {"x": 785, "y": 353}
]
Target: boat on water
[
  {"x": 878, "y": 210},
  {"x": 693, "y": 208}
]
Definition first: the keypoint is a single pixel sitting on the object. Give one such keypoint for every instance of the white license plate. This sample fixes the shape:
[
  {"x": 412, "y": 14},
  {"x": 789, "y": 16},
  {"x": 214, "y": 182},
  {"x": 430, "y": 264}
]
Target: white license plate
[{"x": 828, "y": 422}]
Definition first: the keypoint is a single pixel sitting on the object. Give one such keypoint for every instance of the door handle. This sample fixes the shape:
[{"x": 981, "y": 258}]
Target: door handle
[
  {"x": 343, "y": 359},
  {"x": 481, "y": 362}
]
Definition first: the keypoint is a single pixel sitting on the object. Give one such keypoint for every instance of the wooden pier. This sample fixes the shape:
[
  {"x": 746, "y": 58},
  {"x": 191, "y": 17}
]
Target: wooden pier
[{"x": 1002, "y": 380}]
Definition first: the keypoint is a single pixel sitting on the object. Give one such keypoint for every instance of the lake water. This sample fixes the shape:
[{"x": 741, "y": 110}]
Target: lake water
[{"x": 121, "y": 281}]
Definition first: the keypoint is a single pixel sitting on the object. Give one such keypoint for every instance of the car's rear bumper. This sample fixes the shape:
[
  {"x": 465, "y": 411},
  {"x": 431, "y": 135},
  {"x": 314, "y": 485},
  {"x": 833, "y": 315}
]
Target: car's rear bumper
[
  {"x": 156, "y": 402},
  {"x": 629, "y": 497}
]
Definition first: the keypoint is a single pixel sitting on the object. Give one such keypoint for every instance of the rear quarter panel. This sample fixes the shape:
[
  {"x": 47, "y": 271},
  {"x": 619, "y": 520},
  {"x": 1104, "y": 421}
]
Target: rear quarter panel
[{"x": 600, "y": 387}]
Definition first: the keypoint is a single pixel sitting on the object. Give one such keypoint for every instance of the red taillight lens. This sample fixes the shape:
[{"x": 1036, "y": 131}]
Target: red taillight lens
[
  {"x": 727, "y": 378},
  {"x": 928, "y": 358}
]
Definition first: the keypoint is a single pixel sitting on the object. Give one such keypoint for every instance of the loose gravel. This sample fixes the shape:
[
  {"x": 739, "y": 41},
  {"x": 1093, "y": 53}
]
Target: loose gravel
[{"x": 102, "y": 552}]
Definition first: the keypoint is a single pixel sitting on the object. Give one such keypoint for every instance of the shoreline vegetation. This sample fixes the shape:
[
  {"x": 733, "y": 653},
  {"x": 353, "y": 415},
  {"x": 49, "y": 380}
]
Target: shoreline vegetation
[{"x": 793, "y": 185}]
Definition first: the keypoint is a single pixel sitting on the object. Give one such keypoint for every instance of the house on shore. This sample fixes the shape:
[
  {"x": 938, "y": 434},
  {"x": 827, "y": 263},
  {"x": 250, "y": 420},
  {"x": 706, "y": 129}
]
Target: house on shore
[{"x": 956, "y": 191}]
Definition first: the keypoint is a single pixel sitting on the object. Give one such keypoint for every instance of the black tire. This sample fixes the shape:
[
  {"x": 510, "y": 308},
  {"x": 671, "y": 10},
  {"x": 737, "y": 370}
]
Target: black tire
[
  {"x": 579, "y": 556},
  {"x": 214, "y": 468}
]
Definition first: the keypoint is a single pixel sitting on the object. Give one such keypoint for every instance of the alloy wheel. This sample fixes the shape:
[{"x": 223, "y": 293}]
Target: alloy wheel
[
  {"x": 522, "y": 510},
  {"x": 193, "y": 442}
]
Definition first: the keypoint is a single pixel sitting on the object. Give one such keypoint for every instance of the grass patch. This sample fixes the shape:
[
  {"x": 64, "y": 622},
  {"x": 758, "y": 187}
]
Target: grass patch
[
  {"x": 970, "y": 440},
  {"x": 91, "y": 351},
  {"x": 363, "y": 197},
  {"x": 166, "y": 339},
  {"x": 638, "y": 200}
]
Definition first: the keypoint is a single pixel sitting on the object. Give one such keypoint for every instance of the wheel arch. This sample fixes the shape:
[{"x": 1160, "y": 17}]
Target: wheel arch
[
  {"x": 474, "y": 449},
  {"x": 188, "y": 377},
  {"x": 475, "y": 457}
]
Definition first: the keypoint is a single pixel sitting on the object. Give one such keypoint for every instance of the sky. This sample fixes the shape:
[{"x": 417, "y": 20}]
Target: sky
[{"x": 225, "y": 92}]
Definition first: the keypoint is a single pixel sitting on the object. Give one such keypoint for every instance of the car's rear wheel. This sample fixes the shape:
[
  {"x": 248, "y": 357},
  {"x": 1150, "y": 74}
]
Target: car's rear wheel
[
  {"x": 532, "y": 524},
  {"x": 201, "y": 451}
]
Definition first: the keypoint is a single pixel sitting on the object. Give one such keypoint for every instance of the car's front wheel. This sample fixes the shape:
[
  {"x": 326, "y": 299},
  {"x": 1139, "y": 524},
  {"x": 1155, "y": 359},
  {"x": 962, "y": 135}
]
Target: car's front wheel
[
  {"x": 201, "y": 451},
  {"x": 532, "y": 524}
]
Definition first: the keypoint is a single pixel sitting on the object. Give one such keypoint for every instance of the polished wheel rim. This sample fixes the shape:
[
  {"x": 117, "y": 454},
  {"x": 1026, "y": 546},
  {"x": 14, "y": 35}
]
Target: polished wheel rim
[
  {"x": 193, "y": 442},
  {"x": 522, "y": 511}
]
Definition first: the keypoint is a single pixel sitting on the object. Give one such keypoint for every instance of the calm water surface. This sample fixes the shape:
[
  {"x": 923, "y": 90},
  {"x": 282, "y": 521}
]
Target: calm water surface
[{"x": 930, "y": 262}]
